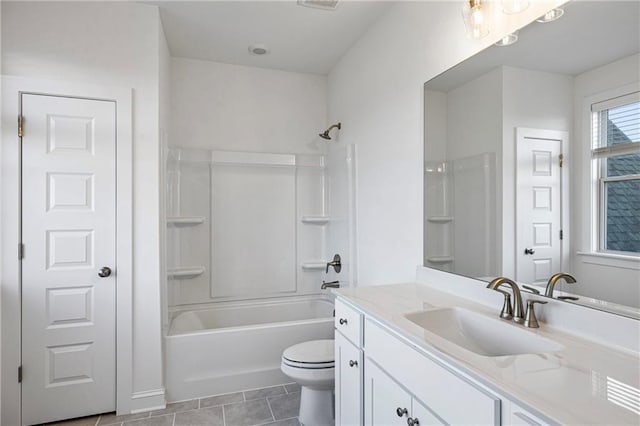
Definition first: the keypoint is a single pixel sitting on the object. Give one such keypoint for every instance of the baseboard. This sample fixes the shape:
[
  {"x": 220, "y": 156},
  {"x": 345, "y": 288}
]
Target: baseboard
[{"x": 148, "y": 400}]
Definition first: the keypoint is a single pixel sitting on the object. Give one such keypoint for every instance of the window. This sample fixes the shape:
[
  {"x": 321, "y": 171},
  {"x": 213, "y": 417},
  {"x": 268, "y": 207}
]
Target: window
[{"x": 616, "y": 161}]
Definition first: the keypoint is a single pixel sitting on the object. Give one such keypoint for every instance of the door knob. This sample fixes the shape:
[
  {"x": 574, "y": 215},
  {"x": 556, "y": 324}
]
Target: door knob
[
  {"x": 104, "y": 272},
  {"x": 529, "y": 251}
]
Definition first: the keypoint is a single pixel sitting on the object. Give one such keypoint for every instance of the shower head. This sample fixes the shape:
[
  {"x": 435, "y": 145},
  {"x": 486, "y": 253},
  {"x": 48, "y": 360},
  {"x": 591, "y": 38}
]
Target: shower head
[{"x": 325, "y": 134}]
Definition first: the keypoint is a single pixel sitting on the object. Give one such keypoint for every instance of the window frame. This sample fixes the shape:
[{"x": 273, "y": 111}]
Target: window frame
[{"x": 599, "y": 155}]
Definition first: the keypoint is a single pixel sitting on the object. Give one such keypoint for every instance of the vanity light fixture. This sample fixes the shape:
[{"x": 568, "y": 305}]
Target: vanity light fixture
[
  {"x": 474, "y": 14},
  {"x": 511, "y": 7},
  {"x": 508, "y": 40},
  {"x": 551, "y": 16}
]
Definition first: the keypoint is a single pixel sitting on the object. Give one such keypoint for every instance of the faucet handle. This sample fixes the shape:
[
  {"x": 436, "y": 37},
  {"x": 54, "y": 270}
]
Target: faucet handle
[
  {"x": 531, "y": 289},
  {"x": 336, "y": 264},
  {"x": 507, "y": 311},
  {"x": 530, "y": 320}
]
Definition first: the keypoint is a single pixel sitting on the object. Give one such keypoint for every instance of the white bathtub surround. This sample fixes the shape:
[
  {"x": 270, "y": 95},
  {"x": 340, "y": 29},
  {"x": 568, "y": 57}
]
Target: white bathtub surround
[
  {"x": 238, "y": 345},
  {"x": 576, "y": 384},
  {"x": 245, "y": 225}
]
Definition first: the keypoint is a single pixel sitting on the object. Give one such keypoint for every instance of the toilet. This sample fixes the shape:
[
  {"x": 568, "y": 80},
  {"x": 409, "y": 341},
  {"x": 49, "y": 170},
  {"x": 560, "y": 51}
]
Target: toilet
[{"x": 311, "y": 365}]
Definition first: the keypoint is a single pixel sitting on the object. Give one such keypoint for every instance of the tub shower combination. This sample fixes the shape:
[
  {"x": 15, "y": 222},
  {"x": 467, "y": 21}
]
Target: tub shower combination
[{"x": 248, "y": 240}]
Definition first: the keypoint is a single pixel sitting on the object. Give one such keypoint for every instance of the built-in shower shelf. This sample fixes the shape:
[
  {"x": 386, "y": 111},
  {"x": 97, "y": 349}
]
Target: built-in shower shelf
[
  {"x": 314, "y": 266},
  {"x": 440, "y": 219},
  {"x": 182, "y": 273},
  {"x": 185, "y": 220},
  {"x": 315, "y": 220},
  {"x": 440, "y": 259}
]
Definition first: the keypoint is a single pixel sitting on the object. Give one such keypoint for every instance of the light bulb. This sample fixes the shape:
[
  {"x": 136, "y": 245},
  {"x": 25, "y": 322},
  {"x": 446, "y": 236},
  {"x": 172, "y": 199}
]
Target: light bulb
[
  {"x": 507, "y": 40},
  {"x": 551, "y": 15},
  {"x": 473, "y": 14}
]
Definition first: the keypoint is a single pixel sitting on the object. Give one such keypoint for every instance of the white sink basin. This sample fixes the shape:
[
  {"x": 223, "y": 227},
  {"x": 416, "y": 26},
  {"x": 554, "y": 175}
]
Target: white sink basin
[{"x": 480, "y": 334}]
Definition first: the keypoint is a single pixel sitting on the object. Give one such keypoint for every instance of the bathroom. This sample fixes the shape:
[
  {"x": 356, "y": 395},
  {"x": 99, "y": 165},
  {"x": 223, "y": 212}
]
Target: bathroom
[{"x": 299, "y": 207}]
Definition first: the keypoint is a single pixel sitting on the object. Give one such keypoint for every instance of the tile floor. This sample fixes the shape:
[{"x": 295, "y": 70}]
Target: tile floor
[{"x": 274, "y": 406}]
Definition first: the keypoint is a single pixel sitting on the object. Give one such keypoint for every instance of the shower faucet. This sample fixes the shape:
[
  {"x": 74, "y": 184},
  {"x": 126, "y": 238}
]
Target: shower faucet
[{"x": 335, "y": 263}]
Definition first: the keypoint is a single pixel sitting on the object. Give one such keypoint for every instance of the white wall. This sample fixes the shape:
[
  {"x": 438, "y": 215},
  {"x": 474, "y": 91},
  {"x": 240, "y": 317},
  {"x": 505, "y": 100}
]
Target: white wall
[
  {"x": 1, "y": 200},
  {"x": 238, "y": 108},
  {"x": 435, "y": 125},
  {"x": 475, "y": 117},
  {"x": 617, "y": 281},
  {"x": 376, "y": 90},
  {"x": 112, "y": 44}
]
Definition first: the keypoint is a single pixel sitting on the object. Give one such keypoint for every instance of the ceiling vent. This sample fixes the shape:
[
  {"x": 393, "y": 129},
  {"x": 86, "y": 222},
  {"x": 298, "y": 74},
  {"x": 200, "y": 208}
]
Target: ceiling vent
[{"x": 319, "y": 4}]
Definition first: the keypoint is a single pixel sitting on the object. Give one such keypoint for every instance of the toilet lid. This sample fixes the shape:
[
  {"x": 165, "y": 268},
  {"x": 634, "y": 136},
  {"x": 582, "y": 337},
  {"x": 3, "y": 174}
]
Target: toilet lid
[{"x": 312, "y": 352}]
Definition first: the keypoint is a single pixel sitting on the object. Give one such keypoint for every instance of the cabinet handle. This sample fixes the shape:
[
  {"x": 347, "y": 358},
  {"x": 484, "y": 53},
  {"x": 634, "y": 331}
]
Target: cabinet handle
[
  {"x": 401, "y": 411},
  {"x": 343, "y": 321},
  {"x": 413, "y": 422},
  {"x": 353, "y": 363},
  {"x": 528, "y": 420}
]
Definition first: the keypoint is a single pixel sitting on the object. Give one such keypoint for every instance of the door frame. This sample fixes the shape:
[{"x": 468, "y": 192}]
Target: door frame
[
  {"x": 523, "y": 133},
  {"x": 10, "y": 271}
]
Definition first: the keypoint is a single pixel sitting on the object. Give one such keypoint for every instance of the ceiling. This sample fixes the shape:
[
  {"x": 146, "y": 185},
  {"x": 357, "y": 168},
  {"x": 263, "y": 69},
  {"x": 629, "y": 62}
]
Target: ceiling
[
  {"x": 300, "y": 39},
  {"x": 589, "y": 35}
]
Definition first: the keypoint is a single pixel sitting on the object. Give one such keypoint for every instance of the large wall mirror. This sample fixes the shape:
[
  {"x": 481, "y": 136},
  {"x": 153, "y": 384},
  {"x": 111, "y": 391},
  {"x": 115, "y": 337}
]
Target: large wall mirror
[{"x": 532, "y": 159}]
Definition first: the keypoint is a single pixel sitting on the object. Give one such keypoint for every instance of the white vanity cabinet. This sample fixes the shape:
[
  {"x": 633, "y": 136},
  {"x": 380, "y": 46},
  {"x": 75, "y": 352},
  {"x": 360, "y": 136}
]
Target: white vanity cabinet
[
  {"x": 388, "y": 403},
  {"x": 349, "y": 366},
  {"x": 383, "y": 380}
]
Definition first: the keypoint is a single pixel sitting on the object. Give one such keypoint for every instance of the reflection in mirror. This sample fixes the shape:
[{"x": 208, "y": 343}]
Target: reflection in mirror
[{"x": 532, "y": 160}]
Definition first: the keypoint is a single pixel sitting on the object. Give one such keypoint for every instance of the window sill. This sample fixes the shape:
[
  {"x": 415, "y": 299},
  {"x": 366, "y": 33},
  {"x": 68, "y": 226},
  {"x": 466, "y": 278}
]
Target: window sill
[{"x": 611, "y": 259}]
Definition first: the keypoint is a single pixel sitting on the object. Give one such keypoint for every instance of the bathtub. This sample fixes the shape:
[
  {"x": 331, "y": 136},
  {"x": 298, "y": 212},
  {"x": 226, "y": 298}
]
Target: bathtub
[{"x": 237, "y": 346}]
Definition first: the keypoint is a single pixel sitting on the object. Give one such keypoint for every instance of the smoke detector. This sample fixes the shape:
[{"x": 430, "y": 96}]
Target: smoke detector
[
  {"x": 258, "y": 49},
  {"x": 319, "y": 4}
]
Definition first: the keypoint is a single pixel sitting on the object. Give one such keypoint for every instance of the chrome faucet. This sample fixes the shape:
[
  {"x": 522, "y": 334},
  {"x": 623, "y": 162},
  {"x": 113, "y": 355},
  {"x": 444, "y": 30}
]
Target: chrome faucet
[
  {"x": 332, "y": 284},
  {"x": 554, "y": 279},
  {"x": 518, "y": 314}
]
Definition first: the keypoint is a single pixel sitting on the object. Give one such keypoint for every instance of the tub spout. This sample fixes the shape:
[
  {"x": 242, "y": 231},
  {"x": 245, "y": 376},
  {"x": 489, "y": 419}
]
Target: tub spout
[{"x": 332, "y": 284}]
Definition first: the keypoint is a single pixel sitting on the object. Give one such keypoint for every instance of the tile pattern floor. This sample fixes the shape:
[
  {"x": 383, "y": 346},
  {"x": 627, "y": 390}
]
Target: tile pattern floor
[{"x": 273, "y": 406}]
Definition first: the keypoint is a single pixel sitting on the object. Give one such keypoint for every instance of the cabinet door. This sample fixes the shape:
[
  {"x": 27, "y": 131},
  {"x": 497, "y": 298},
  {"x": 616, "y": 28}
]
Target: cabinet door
[
  {"x": 384, "y": 399},
  {"x": 348, "y": 382},
  {"x": 424, "y": 416}
]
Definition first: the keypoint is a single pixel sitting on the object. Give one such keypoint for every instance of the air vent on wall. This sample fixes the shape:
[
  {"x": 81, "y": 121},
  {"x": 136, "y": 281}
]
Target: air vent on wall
[{"x": 319, "y": 4}]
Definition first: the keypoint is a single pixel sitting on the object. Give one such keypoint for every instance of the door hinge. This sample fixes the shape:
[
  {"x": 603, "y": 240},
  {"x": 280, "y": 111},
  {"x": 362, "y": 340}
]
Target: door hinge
[
  {"x": 20, "y": 251},
  {"x": 20, "y": 374},
  {"x": 20, "y": 126},
  {"x": 561, "y": 234},
  {"x": 561, "y": 159}
]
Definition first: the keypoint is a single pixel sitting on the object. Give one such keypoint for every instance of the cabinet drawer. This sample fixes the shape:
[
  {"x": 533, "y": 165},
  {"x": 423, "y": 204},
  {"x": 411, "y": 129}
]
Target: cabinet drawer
[
  {"x": 348, "y": 321},
  {"x": 452, "y": 398}
]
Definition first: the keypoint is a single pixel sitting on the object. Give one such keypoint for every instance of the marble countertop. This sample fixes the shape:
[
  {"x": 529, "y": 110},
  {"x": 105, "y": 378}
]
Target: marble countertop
[{"x": 582, "y": 383}]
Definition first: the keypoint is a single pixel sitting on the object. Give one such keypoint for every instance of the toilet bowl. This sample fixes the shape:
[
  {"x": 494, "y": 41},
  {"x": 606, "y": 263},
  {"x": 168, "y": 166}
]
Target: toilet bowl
[{"x": 311, "y": 365}]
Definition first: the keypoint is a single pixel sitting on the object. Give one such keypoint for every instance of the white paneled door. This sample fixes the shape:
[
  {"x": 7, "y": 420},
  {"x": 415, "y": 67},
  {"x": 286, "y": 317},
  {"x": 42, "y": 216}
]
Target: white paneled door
[
  {"x": 538, "y": 204},
  {"x": 68, "y": 267}
]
